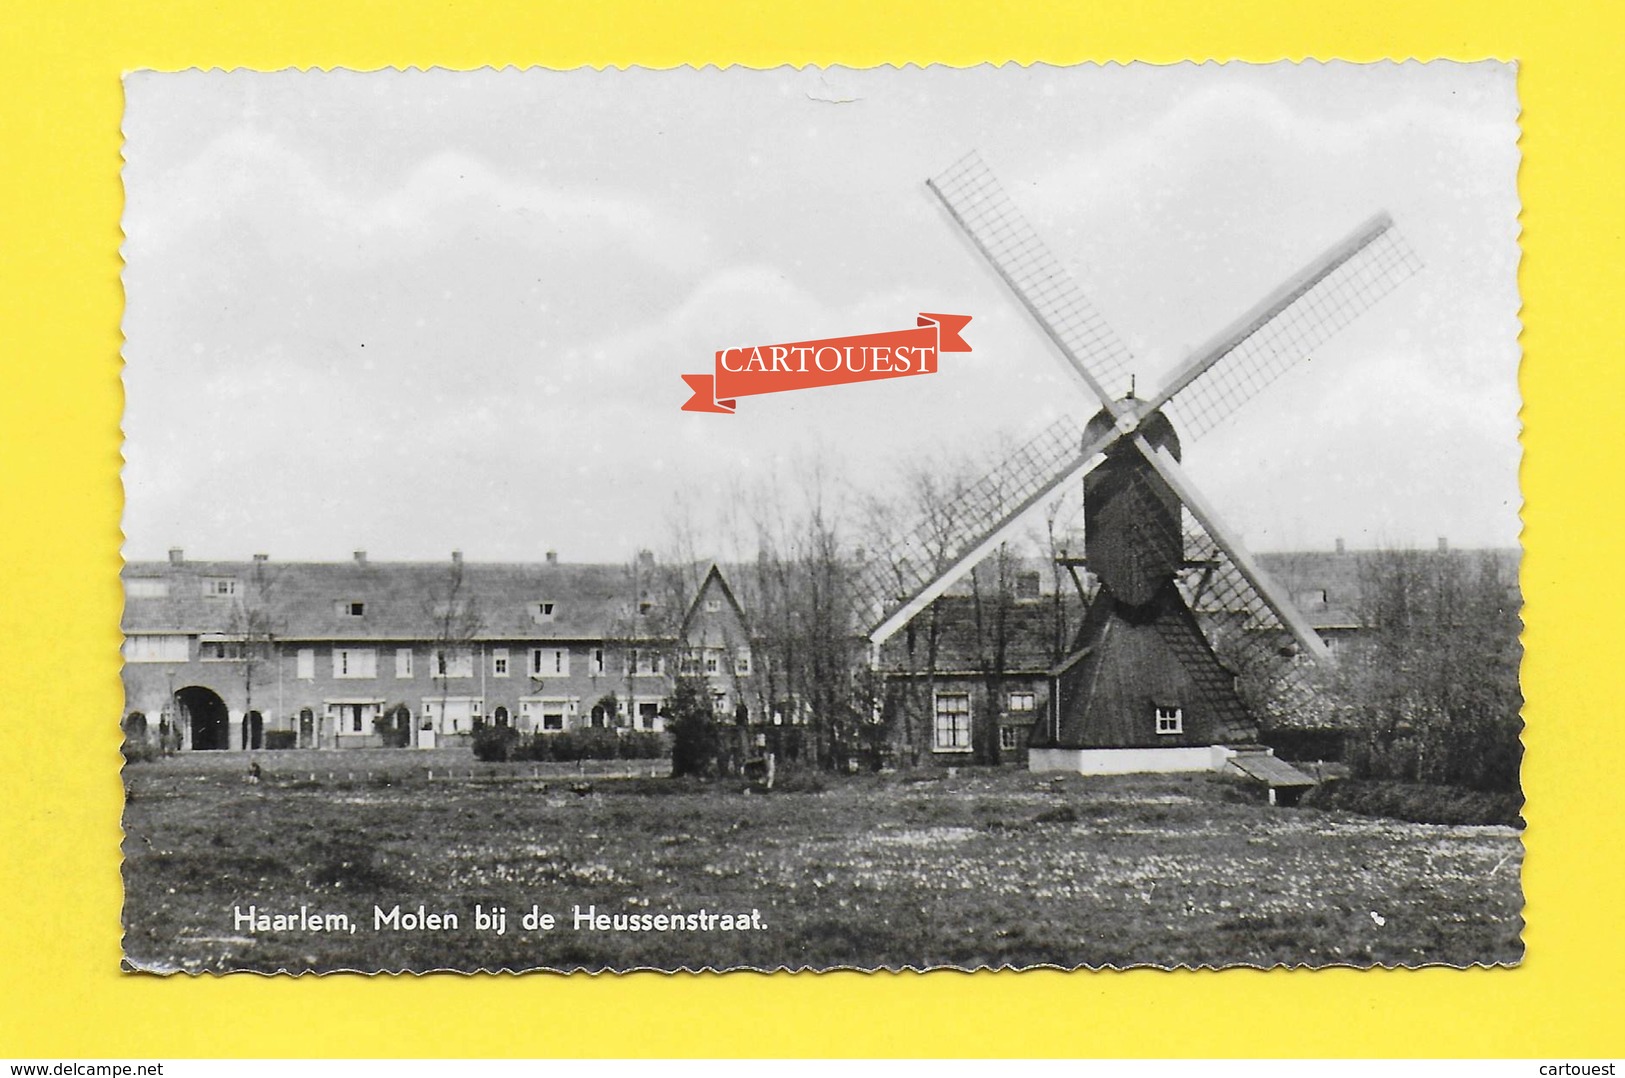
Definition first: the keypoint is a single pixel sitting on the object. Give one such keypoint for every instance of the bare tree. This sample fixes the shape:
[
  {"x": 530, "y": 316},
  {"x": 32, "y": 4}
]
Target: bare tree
[
  {"x": 252, "y": 628},
  {"x": 1431, "y": 688},
  {"x": 993, "y": 596},
  {"x": 452, "y": 609}
]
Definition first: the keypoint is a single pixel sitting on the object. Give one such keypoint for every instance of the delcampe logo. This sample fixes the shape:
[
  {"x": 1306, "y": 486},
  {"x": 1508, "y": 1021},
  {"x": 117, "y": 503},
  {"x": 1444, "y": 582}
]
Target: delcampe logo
[{"x": 779, "y": 368}]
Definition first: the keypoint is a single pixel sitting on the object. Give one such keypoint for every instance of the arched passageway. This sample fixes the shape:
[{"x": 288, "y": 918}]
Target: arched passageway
[{"x": 204, "y": 713}]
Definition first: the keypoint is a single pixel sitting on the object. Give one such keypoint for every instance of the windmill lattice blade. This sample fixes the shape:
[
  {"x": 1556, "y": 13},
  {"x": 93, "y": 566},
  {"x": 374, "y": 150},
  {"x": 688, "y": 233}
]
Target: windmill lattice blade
[
  {"x": 1169, "y": 471},
  {"x": 1289, "y": 326},
  {"x": 1043, "y": 286},
  {"x": 1246, "y": 633},
  {"x": 939, "y": 548}
]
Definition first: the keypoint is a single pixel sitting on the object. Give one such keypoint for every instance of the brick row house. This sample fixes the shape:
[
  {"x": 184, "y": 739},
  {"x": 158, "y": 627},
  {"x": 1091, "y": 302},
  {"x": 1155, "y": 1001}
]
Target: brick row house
[
  {"x": 968, "y": 678},
  {"x": 364, "y": 654}
]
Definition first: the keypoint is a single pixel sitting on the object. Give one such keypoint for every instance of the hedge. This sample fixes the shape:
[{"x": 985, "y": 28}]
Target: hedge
[
  {"x": 568, "y": 746},
  {"x": 1417, "y": 802}
]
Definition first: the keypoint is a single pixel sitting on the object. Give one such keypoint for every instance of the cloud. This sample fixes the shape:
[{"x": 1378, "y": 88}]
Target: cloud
[{"x": 254, "y": 181}]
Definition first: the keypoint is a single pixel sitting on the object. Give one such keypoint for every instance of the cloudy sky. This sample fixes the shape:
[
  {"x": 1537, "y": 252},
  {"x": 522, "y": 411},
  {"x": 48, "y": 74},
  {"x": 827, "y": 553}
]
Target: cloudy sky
[{"x": 412, "y": 312}]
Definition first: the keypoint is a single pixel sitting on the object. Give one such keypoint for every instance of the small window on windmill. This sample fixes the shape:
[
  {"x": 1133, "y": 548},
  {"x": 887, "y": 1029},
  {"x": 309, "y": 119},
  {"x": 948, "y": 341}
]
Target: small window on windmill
[{"x": 1170, "y": 719}]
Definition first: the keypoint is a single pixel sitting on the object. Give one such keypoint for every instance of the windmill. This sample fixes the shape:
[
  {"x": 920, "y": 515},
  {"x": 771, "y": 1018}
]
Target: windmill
[{"x": 1144, "y": 686}]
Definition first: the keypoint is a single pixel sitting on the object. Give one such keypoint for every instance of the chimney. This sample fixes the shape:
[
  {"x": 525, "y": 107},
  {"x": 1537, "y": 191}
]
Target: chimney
[
  {"x": 361, "y": 557},
  {"x": 646, "y": 558},
  {"x": 1341, "y": 549},
  {"x": 261, "y": 559},
  {"x": 1444, "y": 545},
  {"x": 176, "y": 555},
  {"x": 457, "y": 557},
  {"x": 552, "y": 557}
]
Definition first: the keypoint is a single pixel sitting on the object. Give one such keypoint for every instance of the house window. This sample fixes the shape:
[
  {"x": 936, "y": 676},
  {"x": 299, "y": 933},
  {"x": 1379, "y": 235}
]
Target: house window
[
  {"x": 1009, "y": 737},
  {"x": 541, "y": 612},
  {"x": 355, "y": 663},
  {"x": 148, "y": 588},
  {"x": 156, "y": 649},
  {"x": 348, "y": 609},
  {"x": 499, "y": 662},
  {"x": 742, "y": 662},
  {"x": 1170, "y": 720},
  {"x": 689, "y": 664},
  {"x": 1022, "y": 701},
  {"x": 597, "y": 660},
  {"x": 403, "y": 662},
  {"x": 219, "y": 587},
  {"x": 453, "y": 662},
  {"x": 305, "y": 664},
  {"x": 549, "y": 662},
  {"x": 952, "y": 732},
  {"x": 453, "y": 715},
  {"x": 220, "y": 650},
  {"x": 713, "y": 606},
  {"x": 352, "y": 718},
  {"x": 553, "y": 712},
  {"x": 713, "y": 662},
  {"x": 648, "y": 711}
]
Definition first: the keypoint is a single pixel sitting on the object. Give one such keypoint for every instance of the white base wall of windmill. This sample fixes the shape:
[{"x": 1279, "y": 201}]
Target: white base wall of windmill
[{"x": 1129, "y": 761}]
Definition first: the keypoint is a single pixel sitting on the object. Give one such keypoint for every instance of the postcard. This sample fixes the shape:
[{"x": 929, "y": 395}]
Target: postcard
[{"x": 820, "y": 518}]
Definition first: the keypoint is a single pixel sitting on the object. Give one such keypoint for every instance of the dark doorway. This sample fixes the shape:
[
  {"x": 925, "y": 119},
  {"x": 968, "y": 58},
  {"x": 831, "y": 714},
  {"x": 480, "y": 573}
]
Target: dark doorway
[
  {"x": 307, "y": 728},
  {"x": 501, "y": 716},
  {"x": 397, "y": 727},
  {"x": 205, "y": 713},
  {"x": 254, "y": 731}
]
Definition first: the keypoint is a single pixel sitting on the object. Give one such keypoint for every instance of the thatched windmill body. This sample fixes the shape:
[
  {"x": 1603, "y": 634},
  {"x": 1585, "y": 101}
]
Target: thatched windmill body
[{"x": 1144, "y": 686}]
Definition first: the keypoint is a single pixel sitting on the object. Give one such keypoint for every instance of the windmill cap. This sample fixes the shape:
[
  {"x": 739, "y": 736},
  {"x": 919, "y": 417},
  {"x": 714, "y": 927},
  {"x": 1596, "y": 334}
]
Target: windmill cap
[{"x": 1153, "y": 425}]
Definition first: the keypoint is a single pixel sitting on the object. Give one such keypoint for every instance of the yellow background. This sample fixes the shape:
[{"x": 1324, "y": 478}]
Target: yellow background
[{"x": 59, "y": 560}]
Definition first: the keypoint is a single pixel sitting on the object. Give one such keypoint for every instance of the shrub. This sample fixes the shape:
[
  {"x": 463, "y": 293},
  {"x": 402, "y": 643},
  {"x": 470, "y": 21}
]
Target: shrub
[
  {"x": 642, "y": 745},
  {"x": 590, "y": 743},
  {"x": 495, "y": 743},
  {"x": 694, "y": 740},
  {"x": 281, "y": 739},
  {"x": 1418, "y": 802},
  {"x": 140, "y": 750}
]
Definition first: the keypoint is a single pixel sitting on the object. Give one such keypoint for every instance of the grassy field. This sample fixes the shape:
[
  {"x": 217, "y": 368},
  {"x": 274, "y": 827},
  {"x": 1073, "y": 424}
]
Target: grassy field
[{"x": 983, "y": 869}]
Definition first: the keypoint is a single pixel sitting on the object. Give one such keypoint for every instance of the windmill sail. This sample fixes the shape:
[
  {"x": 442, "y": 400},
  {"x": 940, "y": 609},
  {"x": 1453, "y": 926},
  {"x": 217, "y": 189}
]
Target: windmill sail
[
  {"x": 1288, "y": 326},
  {"x": 921, "y": 564},
  {"x": 1246, "y": 633},
  {"x": 1043, "y": 286}
]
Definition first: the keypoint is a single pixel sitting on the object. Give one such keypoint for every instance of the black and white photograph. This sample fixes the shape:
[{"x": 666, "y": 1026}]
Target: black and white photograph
[{"x": 511, "y": 585}]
